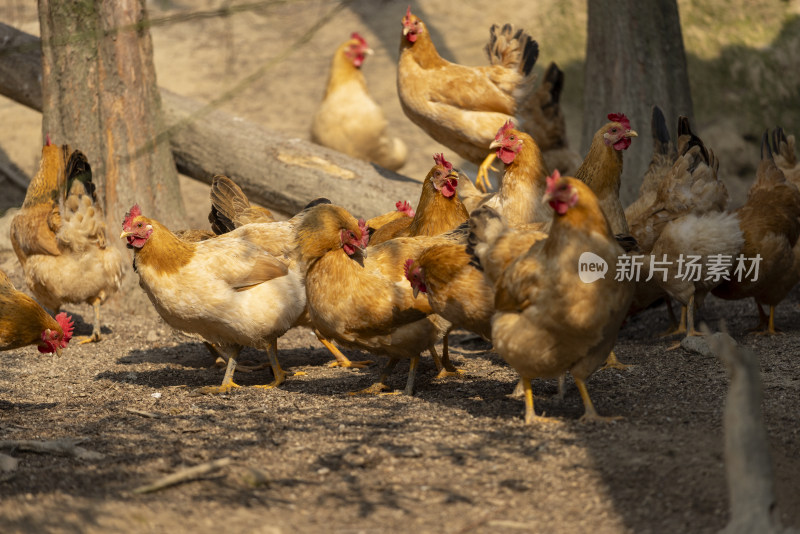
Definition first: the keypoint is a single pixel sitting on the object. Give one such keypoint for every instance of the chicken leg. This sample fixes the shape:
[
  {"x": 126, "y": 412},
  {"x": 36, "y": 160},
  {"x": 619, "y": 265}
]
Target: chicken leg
[
  {"x": 231, "y": 352},
  {"x": 613, "y": 363},
  {"x": 766, "y": 324},
  {"x": 482, "y": 179},
  {"x": 95, "y": 327},
  {"x": 530, "y": 413},
  {"x": 341, "y": 359},
  {"x": 443, "y": 364},
  {"x": 278, "y": 373},
  {"x": 589, "y": 413},
  {"x": 380, "y": 387}
]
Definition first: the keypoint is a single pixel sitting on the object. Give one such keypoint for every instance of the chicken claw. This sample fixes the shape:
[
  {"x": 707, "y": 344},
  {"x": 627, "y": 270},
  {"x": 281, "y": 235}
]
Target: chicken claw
[
  {"x": 443, "y": 364},
  {"x": 766, "y": 326},
  {"x": 613, "y": 363},
  {"x": 530, "y": 414},
  {"x": 482, "y": 179},
  {"x": 280, "y": 374},
  {"x": 590, "y": 415},
  {"x": 94, "y": 338},
  {"x": 378, "y": 388},
  {"x": 227, "y": 380},
  {"x": 341, "y": 360}
]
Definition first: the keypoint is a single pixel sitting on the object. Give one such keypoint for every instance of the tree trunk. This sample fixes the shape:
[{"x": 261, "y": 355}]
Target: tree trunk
[
  {"x": 99, "y": 94},
  {"x": 634, "y": 59},
  {"x": 275, "y": 171}
]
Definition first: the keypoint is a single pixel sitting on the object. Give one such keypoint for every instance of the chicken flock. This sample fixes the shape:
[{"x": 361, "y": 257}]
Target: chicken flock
[{"x": 547, "y": 267}]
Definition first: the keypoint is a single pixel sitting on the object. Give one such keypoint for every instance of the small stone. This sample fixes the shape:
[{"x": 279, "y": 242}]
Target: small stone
[
  {"x": 8, "y": 463},
  {"x": 152, "y": 336}
]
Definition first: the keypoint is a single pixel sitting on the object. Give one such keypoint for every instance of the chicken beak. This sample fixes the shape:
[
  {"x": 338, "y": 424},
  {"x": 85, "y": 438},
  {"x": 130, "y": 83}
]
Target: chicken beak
[
  {"x": 495, "y": 144},
  {"x": 631, "y": 133},
  {"x": 405, "y": 31},
  {"x": 58, "y": 351},
  {"x": 415, "y": 291},
  {"x": 124, "y": 234},
  {"x": 368, "y": 51},
  {"x": 363, "y": 252}
]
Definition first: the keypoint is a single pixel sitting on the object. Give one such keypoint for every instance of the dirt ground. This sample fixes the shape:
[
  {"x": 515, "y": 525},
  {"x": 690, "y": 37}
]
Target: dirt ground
[{"x": 308, "y": 457}]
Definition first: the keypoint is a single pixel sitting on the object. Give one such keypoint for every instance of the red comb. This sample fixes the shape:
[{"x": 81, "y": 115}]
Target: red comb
[
  {"x": 553, "y": 180},
  {"x": 620, "y": 118},
  {"x": 408, "y": 12},
  {"x": 362, "y": 225},
  {"x": 503, "y": 129},
  {"x": 438, "y": 159},
  {"x": 406, "y": 265},
  {"x": 405, "y": 207},
  {"x": 135, "y": 211},
  {"x": 47, "y": 140},
  {"x": 66, "y": 323},
  {"x": 358, "y": 37}
]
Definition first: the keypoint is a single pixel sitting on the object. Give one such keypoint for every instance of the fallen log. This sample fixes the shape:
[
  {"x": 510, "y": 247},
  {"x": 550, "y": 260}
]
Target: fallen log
[{"x": 276, "y": 171}]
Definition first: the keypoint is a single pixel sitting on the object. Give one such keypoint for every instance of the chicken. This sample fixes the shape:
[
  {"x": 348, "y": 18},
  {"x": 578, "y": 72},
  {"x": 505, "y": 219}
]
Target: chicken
[
  {"x": 770, "y": 223},
  {"x": 544, "y": 121},
  {"x": 230, "y": 290},
  {"x": 456, "y": 289},
  {"x": 402, "y": 210},
  {"x": 461, "y": 106},
  {"x": 439, "y": 209},
  {"x": 23, "y": 322},
  {"x": 548, "y": 320},
  {"x": 59, "y": 236},
  {"x": 348, "y": 119},
  {"x": 519, "y": 198},
  {"x": 691, "y": 250},
  {"x": 363, "y": 301},
  {"x": 601, "y": 170},
  {"x": 785, "y": 155},
  {"x": 230, "y": 209}
]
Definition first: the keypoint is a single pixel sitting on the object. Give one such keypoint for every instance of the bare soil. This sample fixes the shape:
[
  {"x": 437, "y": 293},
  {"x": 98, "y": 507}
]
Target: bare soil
[{"x": 308, "y": 457}]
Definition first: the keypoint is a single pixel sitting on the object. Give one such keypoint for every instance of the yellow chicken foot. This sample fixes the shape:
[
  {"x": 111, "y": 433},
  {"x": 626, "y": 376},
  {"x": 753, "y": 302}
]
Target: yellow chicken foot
[
  {"x": 613, "y": 363},
  {"x": 766, "y": 326},
  {"x": 530, "y": 414},
  {"x": 482, "y": 180},
  {"x": 341, "y": 359},
  {"x": 380, "y": 387},
  {"x": 280, "y": 374},
  {"x": 95, "y": 337},
  {"x": 443, "y": 364},
  {"x": 227, "y": 381},
  {"x": 589, "y": 413},
  {"x": 680, "y": 329},
  {"x": 412, "y": 374}
]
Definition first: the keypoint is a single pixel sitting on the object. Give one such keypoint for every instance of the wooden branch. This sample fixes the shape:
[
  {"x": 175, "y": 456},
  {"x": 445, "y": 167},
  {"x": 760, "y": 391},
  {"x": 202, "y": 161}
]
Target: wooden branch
[
  {"x": 274, "y": 170},
  {"x": 60, "y": 447},
  {"x": 184, "y": 475}
]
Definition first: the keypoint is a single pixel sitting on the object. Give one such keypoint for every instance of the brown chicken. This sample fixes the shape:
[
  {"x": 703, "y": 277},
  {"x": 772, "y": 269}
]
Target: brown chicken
[
  {"x": 519, "y": 198},
  {"x": 59, "y": 236},
  {"x": 363, "y": 301},
  {"x": 459, "y": 106},
  {"x": 23, "y": 322},
  {"x": 770, "y": 223},
  {"x": 348, "y": 119},
  {"x": 685, "y": 222},
  {"x": 601, "y": 170},
  {"x": 544, "y": 121},
  {"x": 439, "y": 209},
  {"x": 541, "y": 298},
  {"x": 230, "y": 290}
]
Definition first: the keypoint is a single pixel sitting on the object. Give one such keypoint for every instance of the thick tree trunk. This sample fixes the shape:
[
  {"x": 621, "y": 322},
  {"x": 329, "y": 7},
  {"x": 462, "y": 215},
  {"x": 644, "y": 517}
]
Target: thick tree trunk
[
  {"x": 99, "y": 94},
  {"x": 275, "y": 171},
  {"x": 634, "y": 59}
]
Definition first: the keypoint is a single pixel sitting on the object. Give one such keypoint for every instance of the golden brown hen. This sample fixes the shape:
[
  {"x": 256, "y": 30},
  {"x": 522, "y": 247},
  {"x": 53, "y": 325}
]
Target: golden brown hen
[
  {"x": 23, "y": 322},
  {"x": 770, "y": 223},
  {"x": 59, "y": 236},
  {"x": 439, "y": 208},
  {"x": 362, "y": 300},
  {"x": 601, "y": 170},
  {"x": 462, "y": 107},
  {"x": 348, "y": 119},
  {"x": 542, "y": 299}
]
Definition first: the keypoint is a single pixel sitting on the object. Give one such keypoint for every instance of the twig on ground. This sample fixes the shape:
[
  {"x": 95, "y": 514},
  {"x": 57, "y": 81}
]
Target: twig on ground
[
  {"x": 148, "y": 415},
  {"x": 185, "y": 475},
  {"x": 60, "y": 447}
]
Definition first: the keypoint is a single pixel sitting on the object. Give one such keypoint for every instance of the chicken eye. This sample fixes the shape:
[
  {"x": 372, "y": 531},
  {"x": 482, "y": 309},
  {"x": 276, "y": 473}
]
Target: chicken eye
[
  {"x": 139, "y": 225},
  {"x": 511, "y": 137},
  {"x": 614, "y": 130}
]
